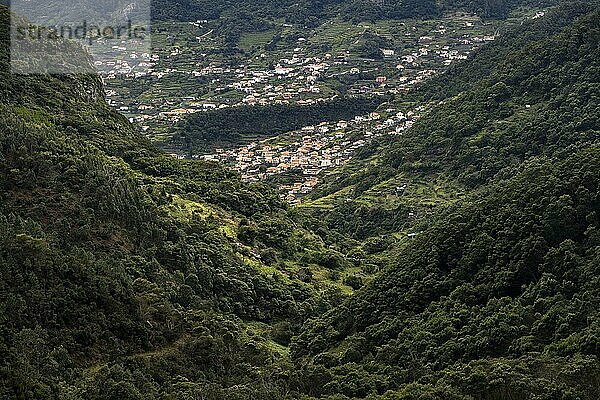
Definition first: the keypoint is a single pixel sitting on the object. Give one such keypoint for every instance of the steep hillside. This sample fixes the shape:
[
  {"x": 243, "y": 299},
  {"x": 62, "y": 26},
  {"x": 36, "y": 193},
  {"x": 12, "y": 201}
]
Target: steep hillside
[
  {"x": 496, "y": 294},
  {"x": 126, "y": 273},
  {"x": 497, "y": 299}
]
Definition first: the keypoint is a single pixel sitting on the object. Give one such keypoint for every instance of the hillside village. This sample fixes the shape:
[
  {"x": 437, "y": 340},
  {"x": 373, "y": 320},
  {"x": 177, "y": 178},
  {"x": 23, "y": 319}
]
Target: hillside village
[
  {"x": 185, "y": 80},
  {"x": 312, "y": 150},
  {"x": 188, "y": 74}
]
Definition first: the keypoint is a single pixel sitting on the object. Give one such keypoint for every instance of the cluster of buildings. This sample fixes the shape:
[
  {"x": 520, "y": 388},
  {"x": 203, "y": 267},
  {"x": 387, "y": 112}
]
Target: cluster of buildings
[
  {"x": 306, "y": 153},
  {"x": 295, "y": 77},
  {"x": 298, "y": 74},
  {"x": 188, "y": 79}
]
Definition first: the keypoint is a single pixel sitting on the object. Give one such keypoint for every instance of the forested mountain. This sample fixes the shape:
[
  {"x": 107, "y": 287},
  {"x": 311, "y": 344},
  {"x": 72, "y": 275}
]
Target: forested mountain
[{"x": 127, "y": 274}]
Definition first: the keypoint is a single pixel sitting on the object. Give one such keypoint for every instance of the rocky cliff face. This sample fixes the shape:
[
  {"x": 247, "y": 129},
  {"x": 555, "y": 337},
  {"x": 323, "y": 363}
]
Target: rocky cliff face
[{"x": 40, "y": 89}]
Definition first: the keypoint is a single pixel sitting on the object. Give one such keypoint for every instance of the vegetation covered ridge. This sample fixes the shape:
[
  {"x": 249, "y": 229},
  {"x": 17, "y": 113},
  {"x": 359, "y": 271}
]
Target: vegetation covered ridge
[{"x": 128, "y": 274}]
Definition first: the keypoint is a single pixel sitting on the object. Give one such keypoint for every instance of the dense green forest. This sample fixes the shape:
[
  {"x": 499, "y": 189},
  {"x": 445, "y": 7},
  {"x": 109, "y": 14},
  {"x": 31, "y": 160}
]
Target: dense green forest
[
  {"x": 496, "y": 299},
  {"x": 127, "y": 274},
  {"x": 227, "y": 126}
]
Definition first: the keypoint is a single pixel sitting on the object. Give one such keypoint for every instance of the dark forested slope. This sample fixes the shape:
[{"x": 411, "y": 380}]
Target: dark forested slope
[
  {"x": 228, "y": 126},
  {"x": 497, "y": 299},
  {"x": 124, "y": 272},
  {"x": 497, "y": 295}
]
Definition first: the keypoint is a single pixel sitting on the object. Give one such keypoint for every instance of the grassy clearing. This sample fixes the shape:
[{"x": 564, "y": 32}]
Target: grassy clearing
[{"x": 255, "y": 40}]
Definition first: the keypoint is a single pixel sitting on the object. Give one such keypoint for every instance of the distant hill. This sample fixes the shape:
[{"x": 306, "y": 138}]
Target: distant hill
[{"x": 314, "y": 12}]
